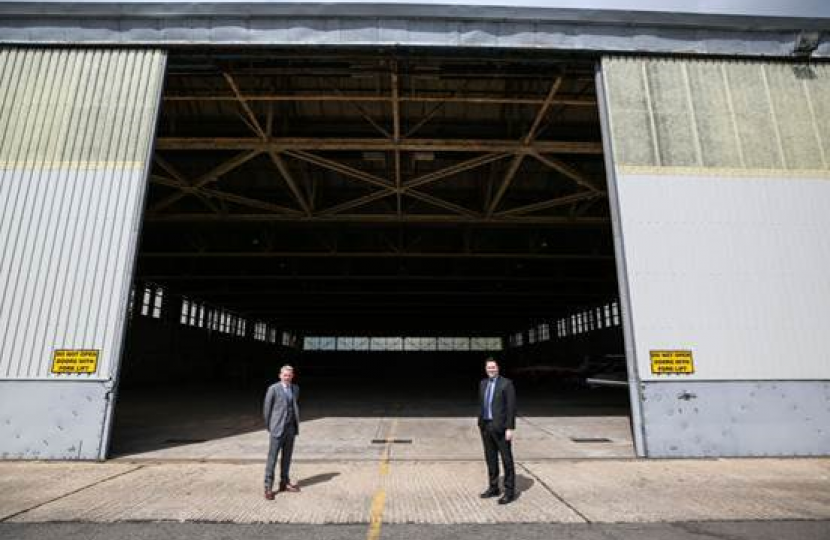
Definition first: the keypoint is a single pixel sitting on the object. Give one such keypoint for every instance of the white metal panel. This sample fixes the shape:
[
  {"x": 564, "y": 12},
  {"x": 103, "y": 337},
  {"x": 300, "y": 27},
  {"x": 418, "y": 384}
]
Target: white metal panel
[
  {"x": 75, "y": 134},
  {"x": 733, "y": 269},
  {"x": 721, "y": 172}
]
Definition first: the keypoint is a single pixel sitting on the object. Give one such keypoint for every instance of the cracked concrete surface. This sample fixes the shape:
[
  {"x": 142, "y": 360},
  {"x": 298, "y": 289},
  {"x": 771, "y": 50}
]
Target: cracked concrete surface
[{"x": 427, "y": 492}]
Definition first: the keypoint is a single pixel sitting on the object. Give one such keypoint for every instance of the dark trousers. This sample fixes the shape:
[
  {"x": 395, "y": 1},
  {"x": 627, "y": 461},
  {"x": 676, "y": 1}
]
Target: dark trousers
[
  {"x": 284, "y": 444},
  {"x": 495, "y": 444}
]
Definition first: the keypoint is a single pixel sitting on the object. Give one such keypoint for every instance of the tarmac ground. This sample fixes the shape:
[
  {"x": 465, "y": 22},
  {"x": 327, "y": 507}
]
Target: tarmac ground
[{"x": 715, "y": 530}]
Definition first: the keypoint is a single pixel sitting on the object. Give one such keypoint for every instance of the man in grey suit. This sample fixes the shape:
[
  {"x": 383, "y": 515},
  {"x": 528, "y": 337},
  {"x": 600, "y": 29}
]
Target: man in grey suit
[
  {"x": 497, "y": 421},
  {"x": 282, "y": 419}
]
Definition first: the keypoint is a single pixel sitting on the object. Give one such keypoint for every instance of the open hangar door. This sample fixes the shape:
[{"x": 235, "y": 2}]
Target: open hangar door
[
  {"x": 76, "y": 131},
  {"x": 720, "y": 195},
  {"x": 384, "y": 220}
]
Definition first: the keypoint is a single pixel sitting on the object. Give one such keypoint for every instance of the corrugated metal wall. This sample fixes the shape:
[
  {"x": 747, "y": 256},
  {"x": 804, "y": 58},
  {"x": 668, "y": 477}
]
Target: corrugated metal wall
[
  {"x": 724, "y": 184},
  {"x": 722, "y": 188},
  {"x": 76, "y": 128},
  {"x": 749, "y": 117}
]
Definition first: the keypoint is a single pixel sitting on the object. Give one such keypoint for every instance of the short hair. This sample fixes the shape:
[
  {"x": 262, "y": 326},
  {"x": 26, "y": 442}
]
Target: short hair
[
  {"x": 491, "y": 359},
  {"x": 286, "y": 367}
]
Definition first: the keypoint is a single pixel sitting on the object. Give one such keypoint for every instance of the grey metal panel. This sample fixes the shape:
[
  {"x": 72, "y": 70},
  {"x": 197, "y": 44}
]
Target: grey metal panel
[
  {"x": 737, "y": 418},
  {"x": 51, "y": 419},
  {"x": 76, "y": 128},
  {"x": 742, "y": 13},
  {"x": 441, "y": 28}
]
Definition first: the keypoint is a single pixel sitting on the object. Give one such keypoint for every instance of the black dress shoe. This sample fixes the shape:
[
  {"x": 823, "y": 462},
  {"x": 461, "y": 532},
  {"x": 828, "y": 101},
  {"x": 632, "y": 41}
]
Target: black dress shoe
[
  {"x": 507, "y": 498},
  {"x": 490, "y": 493}
]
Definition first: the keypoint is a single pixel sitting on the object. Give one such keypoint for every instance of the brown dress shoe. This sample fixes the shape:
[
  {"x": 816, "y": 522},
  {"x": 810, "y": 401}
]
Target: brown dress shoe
[
  {"x": 289, "y": 487},
  {"x": 269, "y": 495}
]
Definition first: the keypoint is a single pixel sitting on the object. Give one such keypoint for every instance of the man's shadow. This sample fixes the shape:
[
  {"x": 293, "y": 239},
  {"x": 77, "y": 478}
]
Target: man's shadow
[
  {"x": 317, "y": 479},
  {"x": 523, "y": 483}
]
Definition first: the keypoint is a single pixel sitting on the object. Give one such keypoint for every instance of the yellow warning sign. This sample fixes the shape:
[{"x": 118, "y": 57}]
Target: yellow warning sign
[
  {"x": 679, "y": 362},
  {"x": 75, "y": 361}
]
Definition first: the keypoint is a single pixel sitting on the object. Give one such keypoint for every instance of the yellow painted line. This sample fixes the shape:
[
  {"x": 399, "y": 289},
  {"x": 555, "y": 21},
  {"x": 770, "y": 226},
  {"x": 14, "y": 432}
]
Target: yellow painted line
[
  {"x": 379, "y": 499},
  {"x": 376, "y": 515}
]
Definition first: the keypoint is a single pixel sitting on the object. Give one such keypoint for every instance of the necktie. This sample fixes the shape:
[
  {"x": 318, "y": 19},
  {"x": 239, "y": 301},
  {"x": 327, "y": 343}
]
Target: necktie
[
  {"x": 488, "y": 399},
  {"x": 289, "y": 400}
]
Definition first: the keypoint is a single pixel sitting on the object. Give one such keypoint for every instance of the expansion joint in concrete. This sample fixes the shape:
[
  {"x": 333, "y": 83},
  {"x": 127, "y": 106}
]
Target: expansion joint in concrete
[
  {"x": 70, "y": 493},
  {"x": 553, "y": 492}
]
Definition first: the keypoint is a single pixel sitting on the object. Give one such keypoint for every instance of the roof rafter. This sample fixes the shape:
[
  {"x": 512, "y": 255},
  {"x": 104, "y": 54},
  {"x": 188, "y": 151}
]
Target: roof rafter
[
  {"x": 527, "y": 140},
  {"x": 211, "y": 176}
]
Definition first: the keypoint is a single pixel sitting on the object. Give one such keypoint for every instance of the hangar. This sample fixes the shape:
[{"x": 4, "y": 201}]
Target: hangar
[{"x": 387, "y": 194}]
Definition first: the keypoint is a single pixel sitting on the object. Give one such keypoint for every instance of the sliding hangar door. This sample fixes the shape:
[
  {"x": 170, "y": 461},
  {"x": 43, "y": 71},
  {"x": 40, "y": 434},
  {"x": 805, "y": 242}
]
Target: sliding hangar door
[
  {"x": 719, "y": 172},
  {"x": 76, "y": 132},
  {"x": 717, "y": 183}
]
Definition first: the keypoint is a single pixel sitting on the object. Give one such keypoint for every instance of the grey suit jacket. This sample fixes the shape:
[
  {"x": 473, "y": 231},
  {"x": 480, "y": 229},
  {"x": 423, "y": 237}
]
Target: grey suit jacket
[{"x": 275, "y": 408}]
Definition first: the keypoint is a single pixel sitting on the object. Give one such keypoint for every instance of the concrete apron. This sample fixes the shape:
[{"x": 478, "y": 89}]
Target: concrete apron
[
  {"x": 390, "y": 491},
  {"x": 359, "y": 438}
]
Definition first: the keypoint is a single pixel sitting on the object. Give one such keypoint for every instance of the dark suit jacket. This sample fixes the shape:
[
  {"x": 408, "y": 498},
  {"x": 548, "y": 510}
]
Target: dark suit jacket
[{"x": 504, "y": 403}]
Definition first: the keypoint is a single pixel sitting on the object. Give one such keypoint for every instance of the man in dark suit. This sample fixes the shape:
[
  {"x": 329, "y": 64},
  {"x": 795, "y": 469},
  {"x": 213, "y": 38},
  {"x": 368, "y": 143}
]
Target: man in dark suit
[
  {"x": 497, "y": 421},
  {"x": 282, "y": 419}
]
